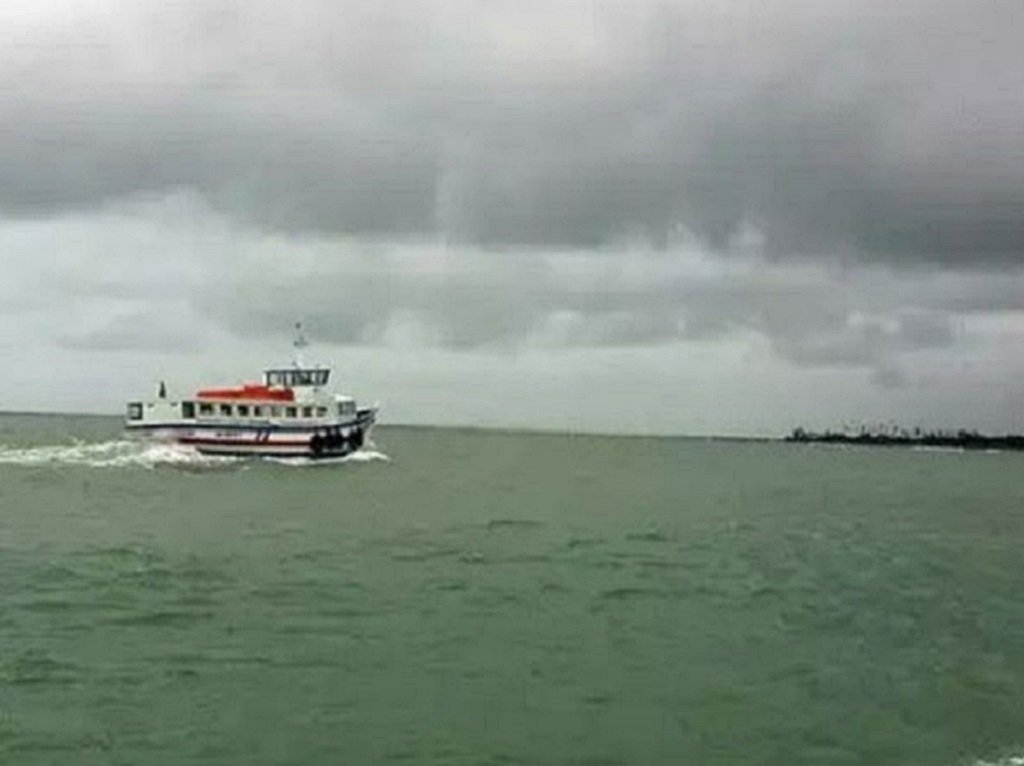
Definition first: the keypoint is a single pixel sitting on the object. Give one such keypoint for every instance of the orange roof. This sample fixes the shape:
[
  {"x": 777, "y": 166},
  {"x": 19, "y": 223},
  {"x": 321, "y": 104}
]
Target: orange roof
[{"x": 248, "y": 392}]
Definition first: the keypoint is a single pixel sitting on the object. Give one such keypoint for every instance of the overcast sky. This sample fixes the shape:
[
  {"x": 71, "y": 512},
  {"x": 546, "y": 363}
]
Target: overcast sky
[{"x": 662, "y": 217}]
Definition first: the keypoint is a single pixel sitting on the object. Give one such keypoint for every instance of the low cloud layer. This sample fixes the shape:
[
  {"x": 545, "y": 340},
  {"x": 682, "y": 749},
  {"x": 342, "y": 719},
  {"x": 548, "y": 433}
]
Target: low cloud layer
[{"x": 155, "y": 275}]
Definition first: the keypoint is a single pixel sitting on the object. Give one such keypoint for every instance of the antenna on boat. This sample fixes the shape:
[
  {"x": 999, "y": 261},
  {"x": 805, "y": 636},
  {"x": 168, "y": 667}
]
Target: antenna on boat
[{"x": 299, "y": 343}]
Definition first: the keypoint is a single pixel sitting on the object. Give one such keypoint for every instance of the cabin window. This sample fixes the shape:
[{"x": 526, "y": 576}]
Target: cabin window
[
  {"x": 243, "y": 410},
  {"x": 280, "y": 378},
  {"x": 135, "y": 411},
  {"x": 275, "y": 412},
  {"x": 321, "y": 412},
  {"x": 291, "y": 412},
  {"x": 225, "y": 409},
  {"x": 188, "y": 410},
  {"x": 259, "y": 411},
  {"x": 346, "y": 408},
  {"x": 297, "y": 377},
  {"x": 205, "y": 409},
  {"x": 307, "y": 412}
]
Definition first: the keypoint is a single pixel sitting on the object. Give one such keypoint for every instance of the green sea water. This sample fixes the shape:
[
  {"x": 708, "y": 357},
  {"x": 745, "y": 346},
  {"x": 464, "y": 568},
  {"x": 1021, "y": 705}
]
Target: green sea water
[{"x": 471, "y": 597}]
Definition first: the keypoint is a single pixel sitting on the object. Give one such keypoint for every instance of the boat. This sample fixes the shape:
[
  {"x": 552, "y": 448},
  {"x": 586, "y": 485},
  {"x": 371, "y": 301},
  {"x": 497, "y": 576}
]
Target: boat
[{"x": 291, "y": 413}]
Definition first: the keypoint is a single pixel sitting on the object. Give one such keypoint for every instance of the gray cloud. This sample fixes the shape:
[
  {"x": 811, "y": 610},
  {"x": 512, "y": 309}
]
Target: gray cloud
[
  {"x": 812, "y": 316},
  {"x": 163, "y": 273},
  {"x": 857, "y": 130},
  {"x": 142, "y": 331}
]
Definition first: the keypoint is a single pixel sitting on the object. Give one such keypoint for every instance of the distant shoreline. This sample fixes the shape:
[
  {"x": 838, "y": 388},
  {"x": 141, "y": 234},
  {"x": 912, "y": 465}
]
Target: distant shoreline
[{"x": 966, "y": 440}]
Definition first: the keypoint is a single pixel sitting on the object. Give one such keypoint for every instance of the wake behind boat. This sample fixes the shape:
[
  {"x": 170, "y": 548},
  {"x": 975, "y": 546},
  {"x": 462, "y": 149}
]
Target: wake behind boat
[{"x": 291, "y": 413}]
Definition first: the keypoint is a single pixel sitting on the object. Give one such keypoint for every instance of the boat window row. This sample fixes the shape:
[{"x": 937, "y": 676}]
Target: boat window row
[
  {"x": 190, "y": 410},
  {"x": 207, "y": 409},
  {"x": 291, "y": 378}
]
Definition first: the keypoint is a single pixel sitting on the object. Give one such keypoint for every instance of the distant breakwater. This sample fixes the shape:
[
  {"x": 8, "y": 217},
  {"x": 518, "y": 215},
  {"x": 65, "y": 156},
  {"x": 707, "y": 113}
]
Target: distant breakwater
[{"x": 901, "y": 438}]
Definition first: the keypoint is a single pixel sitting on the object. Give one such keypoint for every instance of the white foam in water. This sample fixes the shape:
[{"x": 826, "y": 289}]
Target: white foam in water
[
  {"x": 126, "y": 453},
  {"x": 112, "y": 454},
  {"x": 362, "y": 456},
  {"x": 1007, "y": 760}
]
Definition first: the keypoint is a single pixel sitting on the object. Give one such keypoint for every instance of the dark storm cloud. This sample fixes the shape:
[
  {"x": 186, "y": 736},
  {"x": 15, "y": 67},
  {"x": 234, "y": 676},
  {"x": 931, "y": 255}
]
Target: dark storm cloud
[
  {"x": 262, "y": 164},
  {"x": 863, "y": 130}
]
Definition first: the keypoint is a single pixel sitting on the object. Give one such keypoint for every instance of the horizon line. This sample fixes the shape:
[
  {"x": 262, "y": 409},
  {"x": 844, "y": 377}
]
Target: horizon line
[{"x": 493, "y": 428}]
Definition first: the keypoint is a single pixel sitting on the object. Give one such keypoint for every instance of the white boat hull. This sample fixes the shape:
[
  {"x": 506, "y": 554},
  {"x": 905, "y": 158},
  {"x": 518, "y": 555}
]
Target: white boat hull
[{"x": 314, "y": 441}]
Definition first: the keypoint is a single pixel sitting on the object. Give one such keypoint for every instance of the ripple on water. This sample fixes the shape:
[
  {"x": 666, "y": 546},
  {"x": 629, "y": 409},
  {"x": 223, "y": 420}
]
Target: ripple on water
[
  {"x": 426, "y": 553},
  {"x": 163, "y": 618},
  {"x": 118, "y": 586},
  {"x": 649, "y": 536},
  {"x": 514, "y": 524},
  {"x": 628, "y": 593},
  {"x": 35, "y": 666},
  {"x": 583, "y": 542}
]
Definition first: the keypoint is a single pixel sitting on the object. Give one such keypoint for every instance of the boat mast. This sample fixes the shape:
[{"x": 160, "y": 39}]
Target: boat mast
[{"x": 298, "y": 344}]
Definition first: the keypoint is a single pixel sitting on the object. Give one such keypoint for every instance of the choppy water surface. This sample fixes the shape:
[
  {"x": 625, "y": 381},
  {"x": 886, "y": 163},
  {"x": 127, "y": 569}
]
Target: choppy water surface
[{"x": 463, "y": 597}]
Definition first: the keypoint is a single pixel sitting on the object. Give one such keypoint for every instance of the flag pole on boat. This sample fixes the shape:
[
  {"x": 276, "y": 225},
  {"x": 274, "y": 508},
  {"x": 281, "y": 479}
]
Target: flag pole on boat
[{"x": 299, "y": 343}]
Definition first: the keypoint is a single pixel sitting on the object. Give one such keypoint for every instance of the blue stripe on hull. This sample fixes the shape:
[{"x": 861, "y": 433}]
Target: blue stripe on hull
[{"x": 278, "y": 455}]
